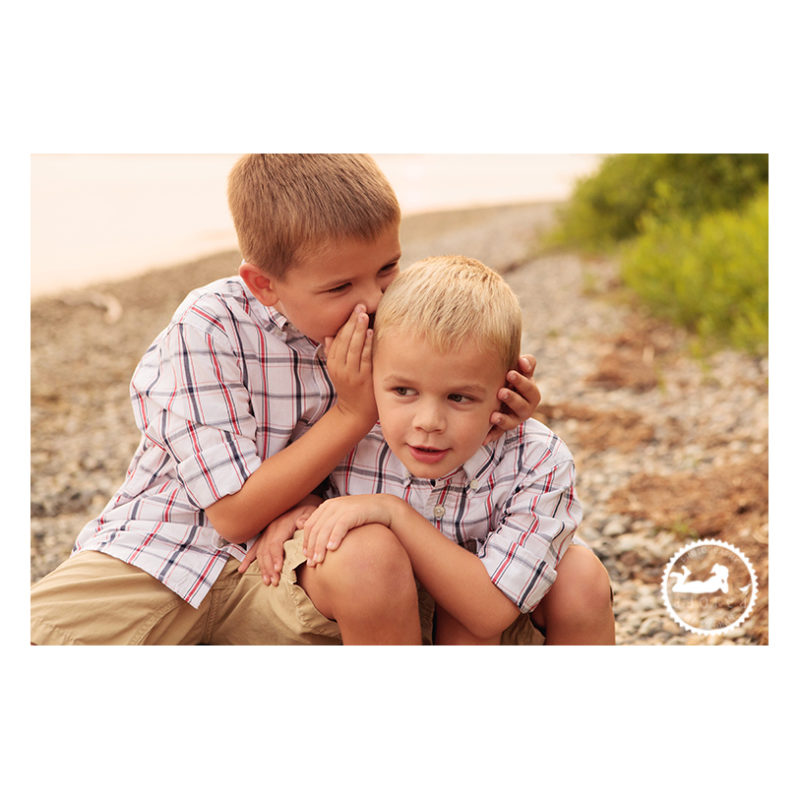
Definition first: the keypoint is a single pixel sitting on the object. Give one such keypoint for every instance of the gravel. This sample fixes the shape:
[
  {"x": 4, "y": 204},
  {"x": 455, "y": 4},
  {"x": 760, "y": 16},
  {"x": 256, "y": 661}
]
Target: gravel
[{"x": 625, "y": 392}]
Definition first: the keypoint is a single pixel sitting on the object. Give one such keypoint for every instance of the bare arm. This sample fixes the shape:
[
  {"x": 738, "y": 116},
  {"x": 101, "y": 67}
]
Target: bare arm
[
  {"x": 283, "y": 480},
  {"x": 455, "y": 578}
]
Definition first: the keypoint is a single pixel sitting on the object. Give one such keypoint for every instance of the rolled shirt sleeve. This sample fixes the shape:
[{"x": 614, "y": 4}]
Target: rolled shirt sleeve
[
  {"x": 536, "y": 526},
  {"x": 227, "y": 384},
  {"x": 191, "y": 400}
]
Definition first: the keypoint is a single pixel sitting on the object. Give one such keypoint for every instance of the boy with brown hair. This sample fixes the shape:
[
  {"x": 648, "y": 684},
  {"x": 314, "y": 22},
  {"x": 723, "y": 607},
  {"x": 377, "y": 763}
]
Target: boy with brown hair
[
  {"x": 487, "y": 527},
  {"x": 243, "y": 412}
]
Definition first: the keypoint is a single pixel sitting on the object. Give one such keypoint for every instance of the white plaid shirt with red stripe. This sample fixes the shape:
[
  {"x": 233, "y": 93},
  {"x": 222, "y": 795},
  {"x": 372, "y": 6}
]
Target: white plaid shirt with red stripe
[
  {"x": 226, "y": 385},
  {"x": 513, "y": 503}
]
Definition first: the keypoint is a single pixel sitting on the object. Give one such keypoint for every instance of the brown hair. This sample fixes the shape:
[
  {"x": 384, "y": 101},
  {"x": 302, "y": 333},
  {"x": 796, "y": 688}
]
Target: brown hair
[
  {"x": 284, "y": 204},
  {"x": 450, "y": 300}
]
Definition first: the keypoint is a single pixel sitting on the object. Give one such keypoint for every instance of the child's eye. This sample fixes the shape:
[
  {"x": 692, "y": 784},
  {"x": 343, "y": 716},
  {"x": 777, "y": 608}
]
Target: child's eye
[
  {"x": 403, "y": 391},
  {"x": 339, "y": 289},
  {"x": 459, "y": 398}
]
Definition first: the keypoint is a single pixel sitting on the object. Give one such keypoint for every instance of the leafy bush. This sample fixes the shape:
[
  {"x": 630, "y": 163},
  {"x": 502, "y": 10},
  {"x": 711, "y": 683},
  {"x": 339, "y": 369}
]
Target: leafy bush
[
  {"x": 611, "y": 205},
  {"x": 693, "y": 233},
  {"x": 708, "y": 274}
]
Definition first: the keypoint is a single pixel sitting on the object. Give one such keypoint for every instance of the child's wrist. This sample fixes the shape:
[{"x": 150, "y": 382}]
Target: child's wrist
[
  {"x": 396, "y": 510},
  {"x": 359, "y": 423}
]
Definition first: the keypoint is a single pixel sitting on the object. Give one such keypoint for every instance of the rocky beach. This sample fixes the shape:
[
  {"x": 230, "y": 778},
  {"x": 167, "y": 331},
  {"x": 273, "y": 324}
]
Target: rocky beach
[{"x": 670, "y": 443}]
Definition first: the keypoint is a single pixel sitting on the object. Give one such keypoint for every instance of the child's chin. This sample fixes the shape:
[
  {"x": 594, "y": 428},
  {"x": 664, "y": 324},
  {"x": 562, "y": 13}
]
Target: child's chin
[{"x": 429, "y": 472}]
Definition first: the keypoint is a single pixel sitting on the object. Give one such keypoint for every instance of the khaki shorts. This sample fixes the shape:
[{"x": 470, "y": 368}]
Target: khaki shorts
[
  {"x": 521, "y": 631},
  {"x": 96, "y": 599}
]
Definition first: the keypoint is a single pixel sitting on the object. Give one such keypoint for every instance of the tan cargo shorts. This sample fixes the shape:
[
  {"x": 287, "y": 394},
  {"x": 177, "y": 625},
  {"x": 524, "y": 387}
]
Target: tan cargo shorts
[{"x": 96, "y": 599}]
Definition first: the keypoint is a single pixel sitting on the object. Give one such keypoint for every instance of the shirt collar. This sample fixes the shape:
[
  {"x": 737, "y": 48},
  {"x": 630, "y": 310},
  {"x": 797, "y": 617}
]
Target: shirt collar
[
  {"x": 279, "y": 326},
  {"x": 274, "y": 321},
  {"x": 478, "y": 464}
]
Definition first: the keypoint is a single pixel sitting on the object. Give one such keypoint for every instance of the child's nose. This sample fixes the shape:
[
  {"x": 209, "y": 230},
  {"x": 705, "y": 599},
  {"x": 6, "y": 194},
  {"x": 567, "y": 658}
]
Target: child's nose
[
  {"x": 372, "y": 296},
  {"x": 429, "y": 417}
]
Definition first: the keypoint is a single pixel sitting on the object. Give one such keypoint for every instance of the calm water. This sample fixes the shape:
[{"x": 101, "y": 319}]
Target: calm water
[{"x": 95, "y": 217}]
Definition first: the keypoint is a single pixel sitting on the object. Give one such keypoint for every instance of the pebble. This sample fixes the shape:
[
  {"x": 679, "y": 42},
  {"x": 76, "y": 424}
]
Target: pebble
[
  {"x": 721, "y": 400},
  {"x": 83, "y": 435}
]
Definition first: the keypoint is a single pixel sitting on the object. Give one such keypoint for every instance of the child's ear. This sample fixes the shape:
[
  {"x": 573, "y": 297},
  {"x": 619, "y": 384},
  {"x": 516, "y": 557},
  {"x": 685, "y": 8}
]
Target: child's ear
[{"x": 259, "y": 283}]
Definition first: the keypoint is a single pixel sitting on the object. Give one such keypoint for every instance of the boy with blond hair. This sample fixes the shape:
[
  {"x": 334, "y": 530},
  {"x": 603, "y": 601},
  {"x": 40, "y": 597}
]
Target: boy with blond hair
[
  {"x": 487, "y": 527},
  {"x": 243, "y": 412}
]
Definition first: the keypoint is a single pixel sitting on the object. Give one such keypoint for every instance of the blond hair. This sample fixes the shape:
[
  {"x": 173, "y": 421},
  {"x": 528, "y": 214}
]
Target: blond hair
[
  {"x": 285, "y": 204},
  {"x": 451, "y": 300}
]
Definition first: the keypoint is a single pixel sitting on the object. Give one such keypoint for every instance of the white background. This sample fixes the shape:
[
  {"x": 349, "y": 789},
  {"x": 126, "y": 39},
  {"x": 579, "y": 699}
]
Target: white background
[{"x": 417, "y": 77}]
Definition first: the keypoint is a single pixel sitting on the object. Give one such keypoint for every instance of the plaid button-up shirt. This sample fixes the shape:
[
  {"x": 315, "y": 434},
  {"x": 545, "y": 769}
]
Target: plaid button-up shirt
[
  {"x": 226, "y": 385},
  {"x": 513, "y": 503}
]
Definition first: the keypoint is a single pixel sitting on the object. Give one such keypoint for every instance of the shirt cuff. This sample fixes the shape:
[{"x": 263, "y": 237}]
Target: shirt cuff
[
  {"x": 523, "y": 580},
  {"x": 217, "y": 471}
]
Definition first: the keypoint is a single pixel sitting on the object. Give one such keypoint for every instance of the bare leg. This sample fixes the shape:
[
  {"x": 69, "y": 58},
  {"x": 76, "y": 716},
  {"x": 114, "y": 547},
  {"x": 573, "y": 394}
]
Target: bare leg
[
  {"x": 367, "y": 586},
  {"x": 577, "y": 609},
  {"x": 450, "y": 631}
]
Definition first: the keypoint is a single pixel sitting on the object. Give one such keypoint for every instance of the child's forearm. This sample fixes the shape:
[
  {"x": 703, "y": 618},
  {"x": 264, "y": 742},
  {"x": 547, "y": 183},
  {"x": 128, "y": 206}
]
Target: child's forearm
[
  {"x": 455, "y": 578},
  {"x": 286, "y": 478}
]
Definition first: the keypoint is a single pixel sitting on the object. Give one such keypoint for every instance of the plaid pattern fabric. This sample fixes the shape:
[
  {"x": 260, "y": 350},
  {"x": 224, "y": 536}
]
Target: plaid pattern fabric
[
  {"x": 513, "y": 503},
  {"x": 227, "y": 384}
]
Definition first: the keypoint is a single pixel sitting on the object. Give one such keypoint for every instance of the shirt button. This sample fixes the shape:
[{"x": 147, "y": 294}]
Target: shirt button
[
  {"x": 474, "y": 484},
  {"x": 438, "y": 512}
]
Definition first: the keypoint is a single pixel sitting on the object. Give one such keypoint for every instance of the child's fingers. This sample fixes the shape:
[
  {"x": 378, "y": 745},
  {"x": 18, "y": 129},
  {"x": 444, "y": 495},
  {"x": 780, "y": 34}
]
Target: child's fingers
[
  {"x": 319, "y": 540},
  {"x": 318, "y": 559},
  {"x": 316, "y": 552},
  {"x": 527, "y": 364},
  {"x": 494, "y": 434},
  {"x": 360, "y": 335},
  {"x": 335, "y": 345},
  {"x": 336, "y": 537},
  {"x": 330, "y": 541},
  {"x": 526, "y": 388},
  {"x": 314, "y": 538},
  {"x": 326, "y": 528},
  {"x": 309, "y": 541},
  {"x": 249, "y": 558},
  {"x": 273, "y": 562},
  {"x": 265, "y": 567},
  {"x": 366, "y": 352},
  {"x": 501, "y": 423},
  {"x": 515, "y": 411},
  {"x": 341, "y": 344},
  {"x": 515, "y": 403}
]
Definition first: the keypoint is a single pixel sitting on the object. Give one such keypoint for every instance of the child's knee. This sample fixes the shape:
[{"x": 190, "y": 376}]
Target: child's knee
[
  {"x": 584, "y": 582},
  {"x": 371, "y": 560},
  {"x": 597, "y": 593}
]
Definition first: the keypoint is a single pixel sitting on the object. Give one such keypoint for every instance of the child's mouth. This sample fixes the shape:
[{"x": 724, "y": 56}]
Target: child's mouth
[{"x": 427, "y": 455}]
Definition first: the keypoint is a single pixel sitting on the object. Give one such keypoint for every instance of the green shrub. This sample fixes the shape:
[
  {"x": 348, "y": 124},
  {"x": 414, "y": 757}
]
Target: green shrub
[
  {"x": 692, "y": 230},
  {"x": 709, "y": 274},
  {"x": 611, "y": 205}
]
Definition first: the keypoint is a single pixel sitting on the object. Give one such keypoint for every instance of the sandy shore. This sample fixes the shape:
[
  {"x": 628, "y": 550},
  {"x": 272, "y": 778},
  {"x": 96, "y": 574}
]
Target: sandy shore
[{"x": 619, "y": 388}]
